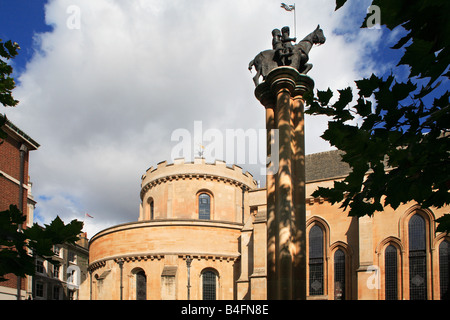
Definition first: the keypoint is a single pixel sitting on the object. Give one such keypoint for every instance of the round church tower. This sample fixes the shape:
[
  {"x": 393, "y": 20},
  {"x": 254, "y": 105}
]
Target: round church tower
[
  {"x": 187, "y": 238},
  {"x": 195, "y": 191}
]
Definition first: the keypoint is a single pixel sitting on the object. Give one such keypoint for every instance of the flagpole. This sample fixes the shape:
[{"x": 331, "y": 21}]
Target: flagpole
[{"x": 295, "y": 22}]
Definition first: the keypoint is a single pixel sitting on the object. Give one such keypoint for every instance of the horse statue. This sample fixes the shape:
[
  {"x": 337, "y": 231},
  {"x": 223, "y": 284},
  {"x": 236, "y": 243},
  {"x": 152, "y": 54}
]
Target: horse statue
[{"x": 268, "y": 60}]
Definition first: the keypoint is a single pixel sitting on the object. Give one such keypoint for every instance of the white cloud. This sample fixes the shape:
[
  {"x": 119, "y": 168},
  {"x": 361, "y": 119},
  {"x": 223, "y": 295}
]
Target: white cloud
[{"x": 103, "y": 100}]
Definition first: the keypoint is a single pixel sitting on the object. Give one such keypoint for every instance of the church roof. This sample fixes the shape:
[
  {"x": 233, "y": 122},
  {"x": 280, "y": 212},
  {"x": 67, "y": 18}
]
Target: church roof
[{"x": 325, "y": 165}]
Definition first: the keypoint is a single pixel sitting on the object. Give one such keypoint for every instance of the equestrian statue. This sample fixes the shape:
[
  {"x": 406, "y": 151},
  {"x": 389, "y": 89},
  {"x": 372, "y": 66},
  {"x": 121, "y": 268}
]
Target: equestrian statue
[{"x": 284, "y": 53}]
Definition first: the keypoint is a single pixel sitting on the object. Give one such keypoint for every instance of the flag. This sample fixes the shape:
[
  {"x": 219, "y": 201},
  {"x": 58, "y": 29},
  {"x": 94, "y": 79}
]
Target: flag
[
  {"x": 288, "y": 7},
  {"x": 87, "y": 215}
]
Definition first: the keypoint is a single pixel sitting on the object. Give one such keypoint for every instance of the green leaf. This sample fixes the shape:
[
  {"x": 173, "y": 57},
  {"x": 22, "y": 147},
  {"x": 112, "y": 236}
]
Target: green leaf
[
  {"x": 363, "y": 107},
  {"x": 324, "y": 96},
  {"x": 402, "y": 90},
  {"x": 367, "y": 86},
  {"x": 339, "y": 3},
  {"x": 444, "y": 223},
  {"x": 419, "y": 56},
  {"x": 61, "y": 233},
  {"x": 345, "y": 97},
  {"x": 401, "y": 42}
]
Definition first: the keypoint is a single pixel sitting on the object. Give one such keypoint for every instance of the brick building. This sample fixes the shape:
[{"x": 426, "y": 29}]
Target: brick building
[{"x": 16, "y": 189}]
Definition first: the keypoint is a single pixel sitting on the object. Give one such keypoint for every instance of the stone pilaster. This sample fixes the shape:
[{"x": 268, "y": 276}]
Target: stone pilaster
[{"x": 367, "y": 274}]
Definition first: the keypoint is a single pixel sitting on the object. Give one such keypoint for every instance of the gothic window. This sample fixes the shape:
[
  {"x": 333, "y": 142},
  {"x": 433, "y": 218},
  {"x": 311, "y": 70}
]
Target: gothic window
[
  {"x": 204, "y": 206},
  {"x": 339, "y": 275},
  {"x": 390, "y": 280},
  {"x": 209, "y": 280},
  {"x": 444, "y": 269},
  {"x": 141, "y": 286},
  {"x": 417, "y": 258},
  {"x": 316, "y": 261}
]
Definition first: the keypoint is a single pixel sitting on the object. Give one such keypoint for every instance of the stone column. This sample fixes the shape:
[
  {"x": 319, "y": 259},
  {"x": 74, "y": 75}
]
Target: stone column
[{"x": 282, "y": 96}]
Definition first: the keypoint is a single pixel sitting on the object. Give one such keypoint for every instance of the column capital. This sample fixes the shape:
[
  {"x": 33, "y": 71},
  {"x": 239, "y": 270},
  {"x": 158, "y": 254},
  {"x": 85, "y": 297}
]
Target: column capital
[{"x": 282, "y": 78}]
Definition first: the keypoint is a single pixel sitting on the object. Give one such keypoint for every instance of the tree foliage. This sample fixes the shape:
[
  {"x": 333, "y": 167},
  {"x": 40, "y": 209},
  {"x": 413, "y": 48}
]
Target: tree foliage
[
  {"x": 20, "y": 247},
  {"x": 8, "y": 50},
  {"x": 394, "y": 131}
]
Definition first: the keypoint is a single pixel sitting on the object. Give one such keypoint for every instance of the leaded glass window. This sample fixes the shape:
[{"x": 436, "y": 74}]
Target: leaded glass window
[
  {"x": 339, "y": 275},
  {"x": 316, "y": 261},
  {"x": 390, "y": 280},
  {"x": 204, "y": 206},
  {"x": 209, "y": 285},
  {"x": 417, "y": 258},
  {"x": 444, "y": 269}
]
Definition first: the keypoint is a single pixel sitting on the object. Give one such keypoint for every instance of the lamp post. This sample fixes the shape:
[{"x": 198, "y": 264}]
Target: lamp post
[
  {"x": 188, "y": 264},
  {"x": 120, "y": 262}
]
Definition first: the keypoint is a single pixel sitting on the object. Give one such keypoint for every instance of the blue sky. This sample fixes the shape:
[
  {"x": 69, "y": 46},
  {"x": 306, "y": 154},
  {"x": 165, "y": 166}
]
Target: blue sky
[
  {"x": 20, "y": 20},
  {"x": 104, "y": 99}
]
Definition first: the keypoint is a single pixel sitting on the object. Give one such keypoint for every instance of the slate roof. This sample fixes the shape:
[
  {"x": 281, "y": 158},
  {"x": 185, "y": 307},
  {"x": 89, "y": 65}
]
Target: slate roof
[{"x": 325, "y": 165}]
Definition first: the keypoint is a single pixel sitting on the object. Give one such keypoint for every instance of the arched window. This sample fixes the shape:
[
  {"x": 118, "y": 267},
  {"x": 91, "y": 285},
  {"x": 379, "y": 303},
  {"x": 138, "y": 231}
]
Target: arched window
[
  {"x": 417, "y": 258},
  {"x": 152, "y": 209},
  {"x": 316, "y": 261},
  {"x": 391, "y": 275},
  {"x": 209, "y": 286},
  {"x": 141, "y": 286},
  {"x": 444, "y": 269},
  {"x": 149, "y": 209},
  {"x": 339, "y": 275},
  {"x": 204, "y": 206}
]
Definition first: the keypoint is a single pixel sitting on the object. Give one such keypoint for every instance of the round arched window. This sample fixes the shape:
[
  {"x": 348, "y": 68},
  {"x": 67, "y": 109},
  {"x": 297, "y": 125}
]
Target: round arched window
[{"x": 204, "y": 206}]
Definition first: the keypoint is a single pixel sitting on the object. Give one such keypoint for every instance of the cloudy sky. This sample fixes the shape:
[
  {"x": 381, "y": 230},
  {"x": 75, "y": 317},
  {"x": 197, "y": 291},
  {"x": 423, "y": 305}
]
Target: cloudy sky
[{"x": 103, "y": 85}]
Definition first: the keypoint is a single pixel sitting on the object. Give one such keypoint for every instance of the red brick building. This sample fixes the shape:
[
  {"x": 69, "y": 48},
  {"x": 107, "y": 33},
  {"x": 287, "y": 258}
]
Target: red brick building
[{"x": 15, "y": 188}]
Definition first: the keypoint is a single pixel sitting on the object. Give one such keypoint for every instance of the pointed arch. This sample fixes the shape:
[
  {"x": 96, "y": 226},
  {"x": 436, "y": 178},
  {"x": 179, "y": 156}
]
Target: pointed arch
[
  {"x": 341, "y": 254},
  {"x": 390, "y": 253},
  {"x": 317, "y": 230},
  {"x": 444, "y": 266},
  {"x": 416, "y": 223}
]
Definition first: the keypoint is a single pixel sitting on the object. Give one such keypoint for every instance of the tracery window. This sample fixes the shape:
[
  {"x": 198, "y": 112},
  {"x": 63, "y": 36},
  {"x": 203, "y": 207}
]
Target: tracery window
[
  {"x": 339, "y": 275},
  {"x": 444, "y": 269},
  {"x": 316, "y": 261},
  {"x": 209, "y": 280},
  {"x": 391, "y": 275},
  {"x": 417, "y": 258},
  {"x": 204, "y": 206}
]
